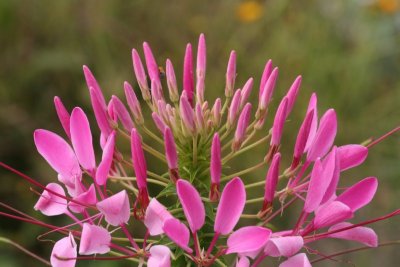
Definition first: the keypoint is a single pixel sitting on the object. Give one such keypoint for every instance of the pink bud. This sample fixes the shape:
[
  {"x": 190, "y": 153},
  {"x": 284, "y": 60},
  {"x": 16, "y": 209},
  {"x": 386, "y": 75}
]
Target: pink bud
[
  {"x": 100, "y": 112},
  {"x": 158, "y": 122},
  {"x": 115, "y": 209},
  {"x": 215, "y": 164},
  {"x": 50, "y": 204},
  {"x": 122, "y": 113},
  {"x": 199, "y": 118},
  {"x": 140, "y": 75},
  {"x": 234, "y": 108},
  {"x": 138, "y": 159},
  {"x": 151, "y": 64},
  {"x": 192, "y": 204},
  {"x": 292, "y": 94},
  {"x": 187, "y": 114},
  {"x": 156, "y": 91},
  {"x": 133, "y": 103},
  {"x": 94, "y": 240},
  {"x": 268, "y": 90},
  {"x": 271, "y": 180},
  {"x": 201, "y": 68},
  {"x": 279, "y": 122},
  {"x": 92, "y": 83},
  {"x": 246, "y": 91},
  {"x": 171, "y": 82},
  {"x": 170, "y": 149},
  {"x": 241, "y": 128},
  {"x": 216, "y": 111},
  {"x": 230, "y": 75},
  {"x": 302, "y": 138},
  {"x": 324, "y": 137},
  {"x": 64, "y": 248},
  {"x": 106, "y": 160},
  {"x": 188, "y": 73},
  {"x": 230, "y": 206},
  {"x": 265, "y": 75},
  {"x": 312, "y": 105},
  {"x": 63, "y": 115}
]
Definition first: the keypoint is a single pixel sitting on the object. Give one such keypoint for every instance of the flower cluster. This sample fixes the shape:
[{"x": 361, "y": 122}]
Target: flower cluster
[{"x": 193, "y": 213}]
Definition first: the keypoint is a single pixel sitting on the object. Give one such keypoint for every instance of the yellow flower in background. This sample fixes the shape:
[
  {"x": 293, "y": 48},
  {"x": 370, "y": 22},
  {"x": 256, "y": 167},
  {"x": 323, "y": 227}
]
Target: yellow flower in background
[
  {"x": 249, "y": 11},
  {"x": 389, "y": 6}
]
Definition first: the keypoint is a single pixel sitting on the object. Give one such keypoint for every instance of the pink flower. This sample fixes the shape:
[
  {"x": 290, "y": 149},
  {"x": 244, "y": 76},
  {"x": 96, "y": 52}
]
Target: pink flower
[{"x": 64, "y": 252}]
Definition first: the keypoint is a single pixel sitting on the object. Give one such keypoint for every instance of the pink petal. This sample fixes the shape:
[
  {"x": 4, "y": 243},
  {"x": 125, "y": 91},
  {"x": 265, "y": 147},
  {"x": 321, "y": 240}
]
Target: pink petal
[
  {"x": 64, "y": 248},
  {"x": 94, "y": 240},
  {"x": 268, "y": 90},
  {"x": 116, "y": 208},
  {"x": 100, "y": 112},
  {"x": 50, "y": 204},
  {"x": 178, "y": 233},
  {"x": 158, "y": 122},
  {"x": 63, "y": 115},
  {"x": 247, "y": 239},
  {"x": 324, "y": 137},
  {"x": 312, "y": 106},
  {"x": 243, "y": 262},
  {"x": 314, "y": 194},
  {"x": 156, "y": 215},
  {"x": 81, "y": 138},
  {"x": 188, "y": 85},
  {"x": 201, "y": 57},
  {"x": 364, "y": 235},
  {"x": 230, "y": 206},
  {"x": 300, "y": 260},
  {"x": 242, "y": 125},
  {"x": 265, "y": 75},
  {"x": 331, "y": 164},
  {"x": 234, "y": 108},
  {"x": 106, "y": 160},
  {"x": 187, "y": 113},
  {"x": 216, "y": 112},
  {"x": 283, "y": 246},
  {"x": 302, "y": 136},
  {"x": 88, "y": 198},
  {"x": 351, "y": 156},
  {"x": 215, "y": 164},
  {"x": 191, "y": 203},
  {"x": 122, "y": 113},
  {"x": 92, "y": 83},
  {"x": 133, "y": 103},
  {"x": 160, "y": 256},
  {"x": 57, "y": 153},
  {"x": 138, "y": 159},
  {"x": 271, "y": 180},
  {"x": 246, "y": 91},
  {"x": 139, "y": 70},
  {"x": 230, "y": 74},
  {"x": 279, "y": 122},
  {"x": 332, "y": 213},
  {"x": 360, "y": 194}
]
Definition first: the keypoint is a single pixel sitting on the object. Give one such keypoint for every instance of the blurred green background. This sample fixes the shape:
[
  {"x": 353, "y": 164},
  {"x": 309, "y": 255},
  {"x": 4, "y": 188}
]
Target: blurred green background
[{"x": 348, "y": 51}]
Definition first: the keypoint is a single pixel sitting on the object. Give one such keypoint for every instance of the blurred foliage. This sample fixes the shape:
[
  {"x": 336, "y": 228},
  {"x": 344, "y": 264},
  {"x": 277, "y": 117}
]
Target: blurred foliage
[{"x": 346, "y": 50}]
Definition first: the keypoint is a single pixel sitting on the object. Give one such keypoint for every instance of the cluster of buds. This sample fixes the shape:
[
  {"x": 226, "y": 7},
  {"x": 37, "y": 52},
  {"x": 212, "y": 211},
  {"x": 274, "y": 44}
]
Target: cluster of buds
[{"x": 196, "y": 206}]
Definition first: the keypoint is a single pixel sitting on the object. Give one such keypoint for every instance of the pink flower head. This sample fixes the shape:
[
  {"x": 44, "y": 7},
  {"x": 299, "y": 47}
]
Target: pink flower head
[
  {"x": 116, "y": 208},
  {"x": 63, "y": 115},
  {"x": 81, "y": 138},
  {"x": 324, "y": 136},
  {"x": 160, "y": 256},
  {"x": 106, "y": 161},
  {"x": 94, "y": 240},
  {"x": 188, "y": 85},
  {"x": 191, "y": 203},
  {"x": 230, "y": 74},
  {"x": 171, "y": 81},
  {"x": 156, "y": 215},
  {"x": 230, "y": 206},
  {"x": 51, "y": 204},
  {"x": 64, "y": 252},
  {"x": 241, "y": 128},
  {"x": 58, "y": 153},
  {"x": 268, "y": 90}
]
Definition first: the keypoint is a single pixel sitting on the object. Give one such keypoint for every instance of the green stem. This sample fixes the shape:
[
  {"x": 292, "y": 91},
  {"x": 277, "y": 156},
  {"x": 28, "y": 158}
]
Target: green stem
[
  {"x": 255, "y": 200},
  {"x": 259, "y": 165},
  {"x": 153, "y": 181},
  {"x": 152, "y": 135}
]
